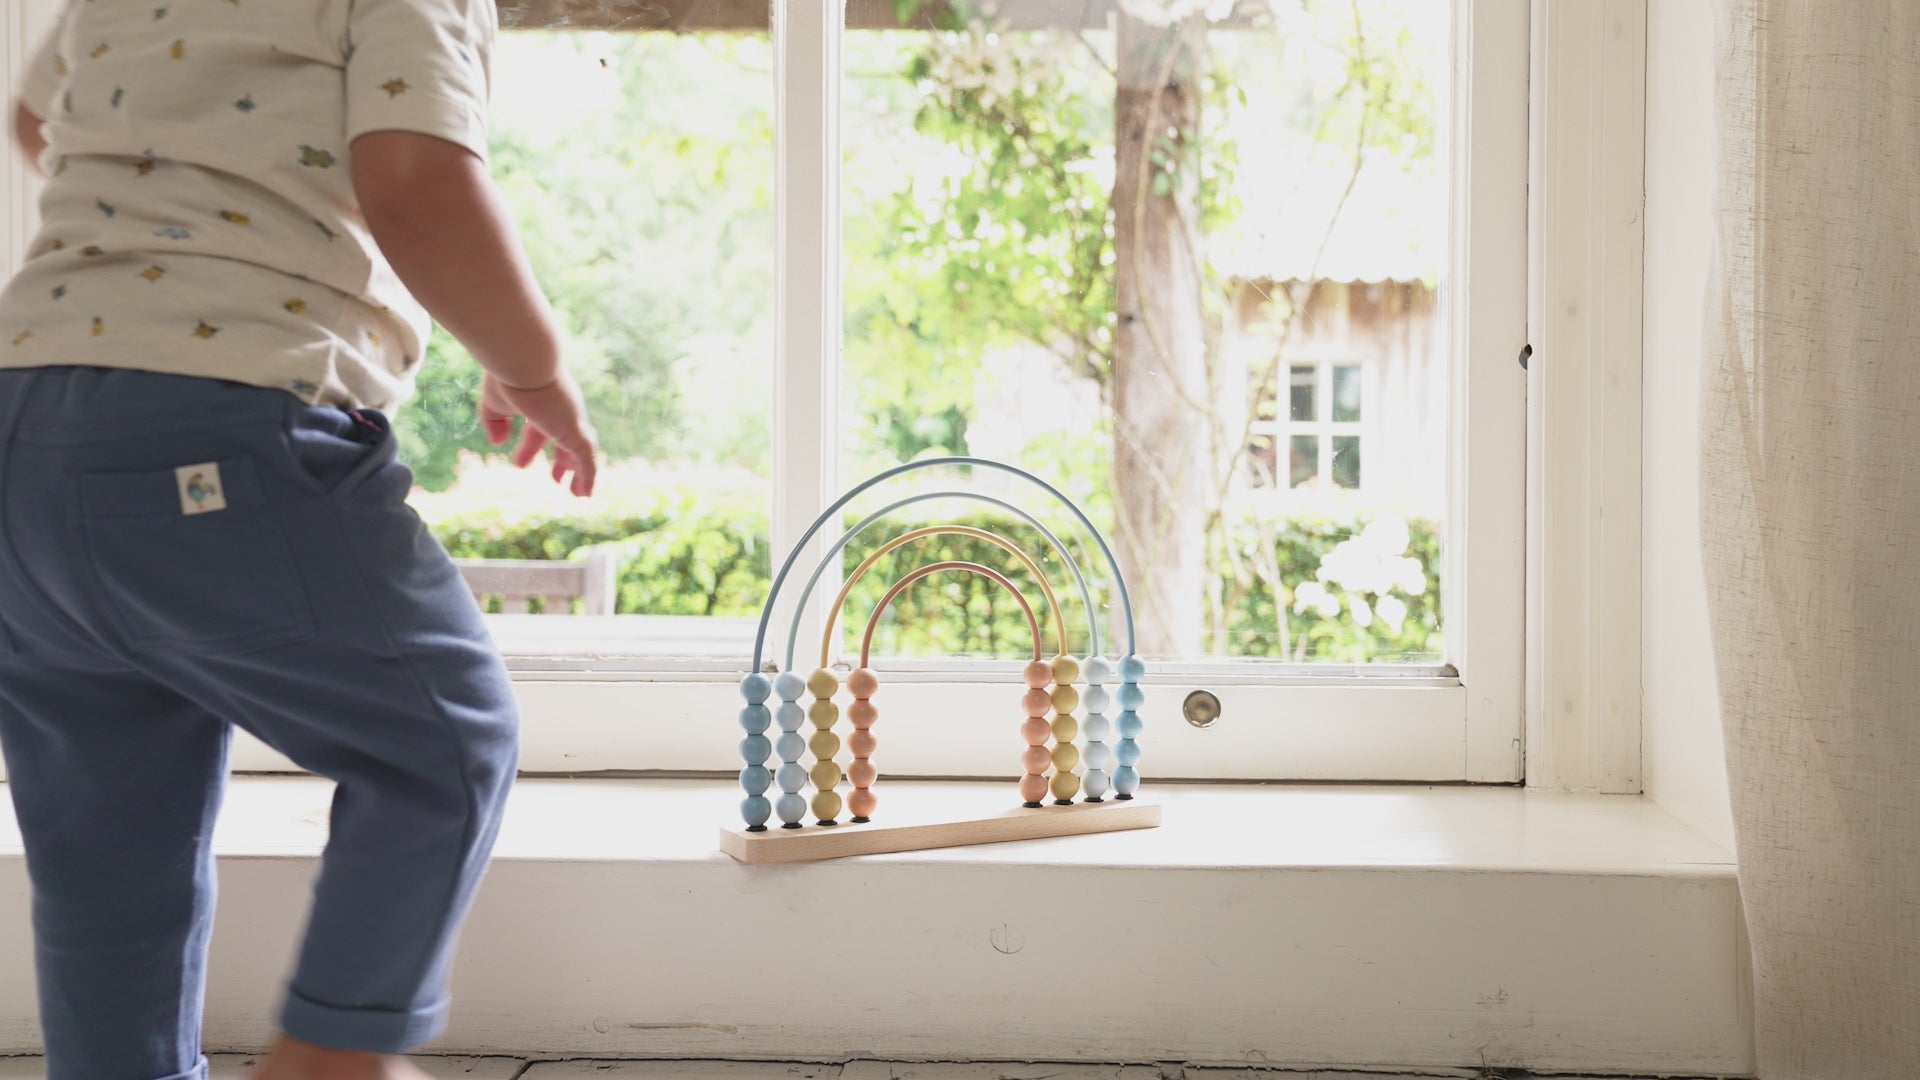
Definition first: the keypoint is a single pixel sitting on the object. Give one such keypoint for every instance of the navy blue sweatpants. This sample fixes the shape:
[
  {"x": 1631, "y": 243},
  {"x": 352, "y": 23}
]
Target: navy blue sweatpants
[{"x": 180, "y": 557}]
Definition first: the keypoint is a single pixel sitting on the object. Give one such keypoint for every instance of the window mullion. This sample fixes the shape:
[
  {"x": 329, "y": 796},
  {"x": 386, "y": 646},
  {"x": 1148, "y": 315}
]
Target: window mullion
[{"x": 807, "y": 74}]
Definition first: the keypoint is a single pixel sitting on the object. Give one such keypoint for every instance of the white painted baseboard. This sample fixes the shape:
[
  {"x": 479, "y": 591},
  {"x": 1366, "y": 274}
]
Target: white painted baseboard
[{"x": 1365, "y": 926}]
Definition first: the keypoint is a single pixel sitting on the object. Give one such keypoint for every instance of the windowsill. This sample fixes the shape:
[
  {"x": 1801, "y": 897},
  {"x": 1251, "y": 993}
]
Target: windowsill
[{"x": 1374, "y": 925}]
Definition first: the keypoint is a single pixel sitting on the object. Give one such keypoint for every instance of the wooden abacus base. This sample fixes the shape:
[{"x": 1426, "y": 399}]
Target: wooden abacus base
[{"x": 907, "y": 823}]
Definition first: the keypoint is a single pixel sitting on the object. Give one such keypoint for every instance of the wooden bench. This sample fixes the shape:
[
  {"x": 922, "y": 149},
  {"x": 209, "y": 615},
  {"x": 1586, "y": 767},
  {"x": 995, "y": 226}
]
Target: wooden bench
[{"x": 558, "y": 584}]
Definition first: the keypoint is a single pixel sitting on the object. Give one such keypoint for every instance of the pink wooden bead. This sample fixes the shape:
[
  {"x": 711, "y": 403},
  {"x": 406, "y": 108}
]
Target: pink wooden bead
[
  {"x": 1036, "y": 759},
  {"x": 863, "y": 774},
  {"x": 863, "y": 744},
  {"x": 863, "y": 714},
  {"x": 1034, "y": 730},
  {"x": 1039, "y": 673},
  {"x": 863, "y": 801},
  {"x": 863, "y": 682},
  {"x": 1032, "y": 789},
  {"x": 1036, "y": 701}
]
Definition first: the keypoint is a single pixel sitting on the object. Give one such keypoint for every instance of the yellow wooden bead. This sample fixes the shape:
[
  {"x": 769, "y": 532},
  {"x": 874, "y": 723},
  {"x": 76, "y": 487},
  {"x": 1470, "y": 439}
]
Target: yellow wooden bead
[
  {"x": 1066, "y": 756},
  {"x": 1065, "y": 698},
  {"x": 826, "y": 805},
  {"x": 1064, "y": 785},
  {"x": 824, "y": 744},
  {"x": 826, "y": 775},
  {"x": 823, "y": 713},
  {"x": 822, "y": 683},
  {"x": 1065, "y": 728},
  {"x": 1065, "y": 669}
]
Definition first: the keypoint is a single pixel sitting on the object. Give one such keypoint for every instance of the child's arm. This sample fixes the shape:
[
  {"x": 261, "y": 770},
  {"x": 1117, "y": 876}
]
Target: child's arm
[
  {"x": 27, "y": 134},
  {"x": 443, "y": 225}
]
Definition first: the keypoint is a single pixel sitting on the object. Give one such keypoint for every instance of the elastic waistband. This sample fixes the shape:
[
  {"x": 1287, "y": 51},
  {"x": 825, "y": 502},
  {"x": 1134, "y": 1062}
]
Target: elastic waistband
[{"x": 88, "y": 404}]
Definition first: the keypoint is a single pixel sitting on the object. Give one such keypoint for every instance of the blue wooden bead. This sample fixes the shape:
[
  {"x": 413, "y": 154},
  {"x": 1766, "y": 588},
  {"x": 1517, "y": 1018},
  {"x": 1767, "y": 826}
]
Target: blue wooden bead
[
  {"x": 790, "y": 745},
  {"x": 1097, "y": 728},
  {"x": 789, "y": 685},
  {"x": 791, "y": 716},
  {"x": 1130, "y": 725},
  {"x": 1098, "y": 699},
  {"x": 755, "y": 688},
  {"x": 1132, "y": 669},
  {"x": 755, "y": 718},
  {"x": 792, "y": 807},
  {"x": 1097, "y": 671},
  {"x": 1127, "y": 752},
  {"x": 1126, "y": 780},
  {"x": 756, "y": 779},
  {"x": 1131, "y": 696},
  {"x": 1095, "y": 783},
  {"x": 756, "y": 809},
  {"x": 792, "y": 776},
  {"x": 755, "y": 749}
]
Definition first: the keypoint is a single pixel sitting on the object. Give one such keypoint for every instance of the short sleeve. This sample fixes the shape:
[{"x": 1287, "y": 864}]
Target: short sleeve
[
  {"x": 420, "y": 65},
  {"x": 40, "y": 84}
]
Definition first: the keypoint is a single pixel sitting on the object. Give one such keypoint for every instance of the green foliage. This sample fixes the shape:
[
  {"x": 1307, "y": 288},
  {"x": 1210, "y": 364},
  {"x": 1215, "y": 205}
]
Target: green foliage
[{"x": 691, "y": 552}]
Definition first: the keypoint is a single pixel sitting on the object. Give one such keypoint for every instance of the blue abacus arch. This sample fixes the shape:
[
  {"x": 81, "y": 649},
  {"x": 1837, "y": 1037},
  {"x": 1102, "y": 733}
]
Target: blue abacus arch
[
  {"x": 780, "y": 579},
  {"x": 806, "y": 594}
]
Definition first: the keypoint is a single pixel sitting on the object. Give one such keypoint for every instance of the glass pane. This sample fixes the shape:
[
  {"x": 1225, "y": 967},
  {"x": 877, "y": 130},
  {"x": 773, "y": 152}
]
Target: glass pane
[
  {"x": 1303, "y": 381},
  {"x": 1346, "y": 393},
  {"x": 1305, "y": 459},
  {"x": 1105, "y": 240},
  {"x": 639, "y": 166},
  {"x": 1346, "y": 461}
]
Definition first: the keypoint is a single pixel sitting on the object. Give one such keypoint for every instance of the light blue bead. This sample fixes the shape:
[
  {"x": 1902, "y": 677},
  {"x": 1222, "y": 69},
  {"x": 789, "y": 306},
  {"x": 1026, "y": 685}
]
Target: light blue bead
[
  {"x": 791, "y": 716},
  {"x": 1097, "y": 670},
  {"x": 1130, "y": 725},
  {"x": 792, "y": 776},
  {"x": 1098, "y": 699},
  {"x": 1131, "y": 696},
  {"x": 792, "y": 807},
  {"x": 1097, "y": 729},
  {"x": 790, "y": 745},
  {"x": 756, "y": 809},
  {"x": 1127, "y": 752},
  {"x": 789, "y": 685},
  {"x": 1132, "y": 669},
  {"x": 1095, "y": 783},
  {"x": 755, "y": 749},
  {"x": 755, "y": 718},
  {"x": 1099, "y": 756},
  {"x": 1126, "y": 780},
  {"x": 756, "y": 779},
  {"x": 755, "y": 688}
]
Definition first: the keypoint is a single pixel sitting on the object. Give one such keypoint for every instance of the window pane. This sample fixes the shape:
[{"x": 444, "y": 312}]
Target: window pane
[
  {"x": 1303, "y": 380},
  {"x": 1346, "y": 393},
  {"x": 1306, "y": 459},
  {"x": 1346, "y": 461},
  {"x": 639, "y": 166},
  {"x": 1107, "y": 247}
]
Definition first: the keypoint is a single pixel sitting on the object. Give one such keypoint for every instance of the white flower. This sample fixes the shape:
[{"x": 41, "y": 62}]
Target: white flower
[
  {"x": 1410, "y": 577},
  {"x": 1387, "y": 534},
  {"x": 1313, "y": 596},
  {"x": 1362, "y": 614},
  {"x": 1392, "y": 611}
]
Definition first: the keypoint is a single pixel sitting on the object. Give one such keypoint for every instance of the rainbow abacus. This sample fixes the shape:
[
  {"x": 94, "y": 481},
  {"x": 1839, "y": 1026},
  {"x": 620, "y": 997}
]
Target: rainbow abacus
[{"x": 1057, "y": 744}]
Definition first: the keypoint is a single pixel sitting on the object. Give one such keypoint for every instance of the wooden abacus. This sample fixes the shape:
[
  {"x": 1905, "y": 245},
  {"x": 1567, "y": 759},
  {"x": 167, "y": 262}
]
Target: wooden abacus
[{"x": 1049, "y": 690}]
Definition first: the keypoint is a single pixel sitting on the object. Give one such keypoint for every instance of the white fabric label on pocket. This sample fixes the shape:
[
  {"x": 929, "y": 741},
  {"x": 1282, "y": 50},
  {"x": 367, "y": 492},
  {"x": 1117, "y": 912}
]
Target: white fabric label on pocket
[{"x": 200, "y": 488}]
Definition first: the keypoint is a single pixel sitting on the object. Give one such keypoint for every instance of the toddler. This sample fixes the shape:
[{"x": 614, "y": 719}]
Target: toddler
[{"x": 251, "y": 208}]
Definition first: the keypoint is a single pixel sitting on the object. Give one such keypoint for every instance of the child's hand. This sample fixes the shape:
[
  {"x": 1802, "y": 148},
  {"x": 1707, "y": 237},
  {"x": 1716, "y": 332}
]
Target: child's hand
[{"x": 555, "y": 413}]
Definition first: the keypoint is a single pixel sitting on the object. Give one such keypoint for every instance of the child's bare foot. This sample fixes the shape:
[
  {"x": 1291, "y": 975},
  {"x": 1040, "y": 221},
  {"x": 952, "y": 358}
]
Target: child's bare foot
[{"x": 292, "y": 1059}]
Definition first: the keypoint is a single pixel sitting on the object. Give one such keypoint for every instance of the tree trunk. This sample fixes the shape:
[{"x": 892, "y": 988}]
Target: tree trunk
[{"x": 1161, "y": 430}]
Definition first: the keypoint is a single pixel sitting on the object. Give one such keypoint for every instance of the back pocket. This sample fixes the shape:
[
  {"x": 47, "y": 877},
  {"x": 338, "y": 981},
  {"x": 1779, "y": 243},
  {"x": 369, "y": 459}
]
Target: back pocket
[{"x": 192, "y": 559}]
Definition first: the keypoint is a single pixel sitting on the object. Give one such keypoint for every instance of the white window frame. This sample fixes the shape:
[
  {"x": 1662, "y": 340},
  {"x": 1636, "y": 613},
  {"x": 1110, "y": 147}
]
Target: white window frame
[
  {"x": 1458, "y": 722},
  {"x": 1323, "y": 427}
]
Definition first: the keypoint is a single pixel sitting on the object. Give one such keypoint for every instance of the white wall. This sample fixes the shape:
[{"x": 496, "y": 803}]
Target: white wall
[{"x": 1683, "y": 761}]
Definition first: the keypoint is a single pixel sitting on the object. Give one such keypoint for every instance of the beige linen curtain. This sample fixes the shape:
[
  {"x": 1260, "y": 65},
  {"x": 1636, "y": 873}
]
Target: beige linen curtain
[{"x": 1811, "y": 508}]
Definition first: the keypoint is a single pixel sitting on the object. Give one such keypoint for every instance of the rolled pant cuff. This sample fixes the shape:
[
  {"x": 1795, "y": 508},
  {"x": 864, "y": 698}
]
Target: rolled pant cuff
[
  {"x": 370, "y": 1031},
  {"x": 198, "y": 1072}
]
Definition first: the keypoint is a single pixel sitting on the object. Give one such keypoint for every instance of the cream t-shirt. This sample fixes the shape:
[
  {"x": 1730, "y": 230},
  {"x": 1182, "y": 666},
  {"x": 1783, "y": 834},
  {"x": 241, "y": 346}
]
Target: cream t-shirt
[{"x": 200, "y": 217}]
